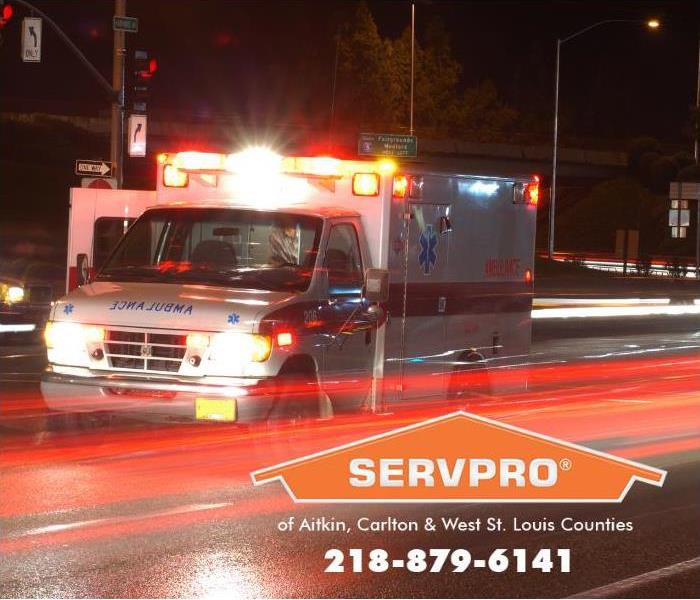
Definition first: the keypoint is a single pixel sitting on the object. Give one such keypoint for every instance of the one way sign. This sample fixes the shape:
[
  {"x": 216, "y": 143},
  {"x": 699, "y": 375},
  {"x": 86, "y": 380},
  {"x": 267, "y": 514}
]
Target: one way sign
[{"x": 94, "y": 168}]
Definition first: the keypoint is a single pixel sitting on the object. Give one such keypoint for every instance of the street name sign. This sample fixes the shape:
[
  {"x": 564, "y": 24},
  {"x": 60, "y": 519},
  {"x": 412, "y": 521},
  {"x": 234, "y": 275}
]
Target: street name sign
[
  {"x": 31, "y": 39},
  {"x": 126, "y": 24},
  {"x": 387, "y": 144},
  {"x": 94, "y": 168}
]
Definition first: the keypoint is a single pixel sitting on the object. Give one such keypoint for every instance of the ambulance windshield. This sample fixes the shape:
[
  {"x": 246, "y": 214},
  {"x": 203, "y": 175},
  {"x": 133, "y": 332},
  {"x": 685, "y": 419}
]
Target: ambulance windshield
[{"x": 233, "y": 247}]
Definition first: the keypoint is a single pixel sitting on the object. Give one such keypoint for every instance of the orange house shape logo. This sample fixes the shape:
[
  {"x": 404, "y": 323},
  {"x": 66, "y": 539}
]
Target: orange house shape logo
[{"x": 459, "y": 457}]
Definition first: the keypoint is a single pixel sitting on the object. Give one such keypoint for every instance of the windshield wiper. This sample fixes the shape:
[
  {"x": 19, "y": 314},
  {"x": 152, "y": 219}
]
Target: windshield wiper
[{"x": 132, "y": 272}]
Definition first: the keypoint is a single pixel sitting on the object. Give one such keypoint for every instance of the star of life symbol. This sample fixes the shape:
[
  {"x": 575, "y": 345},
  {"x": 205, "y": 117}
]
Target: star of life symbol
[
  {"x": 234, "y": 319},
  {"x": 68, "y": 309},
  {"x": 428, "y": 242}
]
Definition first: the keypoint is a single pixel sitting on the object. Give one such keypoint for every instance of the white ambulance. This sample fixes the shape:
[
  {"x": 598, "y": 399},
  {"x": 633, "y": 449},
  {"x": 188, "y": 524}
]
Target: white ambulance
[{"x": 251, "y": 285}]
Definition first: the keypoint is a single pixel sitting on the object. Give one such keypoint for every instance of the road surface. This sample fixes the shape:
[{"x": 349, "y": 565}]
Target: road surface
[{"x": 116, "y": 506}]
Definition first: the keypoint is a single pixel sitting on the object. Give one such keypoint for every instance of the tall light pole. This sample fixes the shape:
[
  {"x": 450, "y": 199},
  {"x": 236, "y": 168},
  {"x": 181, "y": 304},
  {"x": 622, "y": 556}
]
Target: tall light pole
[
  {"x": 695, "y": 154},
  {"x": 651, "y": 24},
  {"x": 413, "y": 58},
  {"x": 697, "y": 106}
]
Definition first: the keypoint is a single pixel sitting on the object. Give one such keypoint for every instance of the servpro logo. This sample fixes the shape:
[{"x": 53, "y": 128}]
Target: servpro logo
[
  {"x": 459, "y": 457},
  {"x": 473, "y": 472}
]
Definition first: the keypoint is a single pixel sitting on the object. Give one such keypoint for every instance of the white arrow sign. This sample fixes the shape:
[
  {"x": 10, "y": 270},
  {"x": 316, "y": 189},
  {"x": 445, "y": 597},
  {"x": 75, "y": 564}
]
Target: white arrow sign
[
  {"x": 31, "y": 39},
  {"x": 95, "y": 168},
  {"x": 137, "y": 135}
]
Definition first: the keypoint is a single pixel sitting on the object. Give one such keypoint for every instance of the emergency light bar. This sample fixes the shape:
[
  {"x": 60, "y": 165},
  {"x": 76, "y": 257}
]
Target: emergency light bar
[{"x": 265, "y": 161}]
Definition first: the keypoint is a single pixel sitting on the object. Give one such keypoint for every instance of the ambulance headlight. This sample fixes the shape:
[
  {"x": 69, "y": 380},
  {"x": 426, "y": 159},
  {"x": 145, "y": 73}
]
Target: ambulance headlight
[
  {"x": 13, "y": 294},
  {"x": 239, "y": 347},
  {"x": 69, "y": 343}
]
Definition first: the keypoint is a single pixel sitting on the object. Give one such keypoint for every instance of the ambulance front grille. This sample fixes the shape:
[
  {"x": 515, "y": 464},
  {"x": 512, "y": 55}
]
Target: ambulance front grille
[{"x": 145, "y": 351}]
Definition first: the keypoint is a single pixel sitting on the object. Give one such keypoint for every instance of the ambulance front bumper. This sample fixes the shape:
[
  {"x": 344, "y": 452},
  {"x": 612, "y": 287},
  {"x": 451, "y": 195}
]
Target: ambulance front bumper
[{"x": 244, "y": 400}]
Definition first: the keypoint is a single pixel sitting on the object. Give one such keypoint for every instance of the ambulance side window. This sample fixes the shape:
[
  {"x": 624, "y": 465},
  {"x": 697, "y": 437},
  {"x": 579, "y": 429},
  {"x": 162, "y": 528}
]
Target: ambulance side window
[
  {"x": 106, "y": 234},
  {"x": 343, "y": 260}
]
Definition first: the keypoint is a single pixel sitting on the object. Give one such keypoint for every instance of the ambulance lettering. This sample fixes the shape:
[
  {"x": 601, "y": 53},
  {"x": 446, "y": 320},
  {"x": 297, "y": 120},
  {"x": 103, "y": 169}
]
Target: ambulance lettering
[
  {"x": 502, "y": 267},
  {"x": 167, "y": 307}
]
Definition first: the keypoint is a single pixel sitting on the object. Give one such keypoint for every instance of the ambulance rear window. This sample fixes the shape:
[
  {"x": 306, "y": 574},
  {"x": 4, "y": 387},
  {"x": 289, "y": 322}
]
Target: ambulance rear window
[{"x": 237, "y": 247}]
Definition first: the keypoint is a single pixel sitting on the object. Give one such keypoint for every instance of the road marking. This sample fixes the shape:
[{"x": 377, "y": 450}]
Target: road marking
[
  {"x": 625, "y": 585},
  {"x": 616, "y": 311},
  {"x": 119, "y": 519},
  {"x": 629, "y": 400},
  {"x": 17, "y": 327}
]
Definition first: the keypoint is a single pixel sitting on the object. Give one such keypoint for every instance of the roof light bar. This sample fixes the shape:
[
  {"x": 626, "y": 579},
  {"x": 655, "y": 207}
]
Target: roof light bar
[
  {"x": 264, "y": 161},
  {"x": 199, "y": 161}
]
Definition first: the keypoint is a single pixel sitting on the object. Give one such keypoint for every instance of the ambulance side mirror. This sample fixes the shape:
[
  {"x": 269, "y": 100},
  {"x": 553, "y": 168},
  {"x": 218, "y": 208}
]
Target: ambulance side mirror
[
  {"x": 376, "y": 289},
  {"x": 83, "y": 268}
]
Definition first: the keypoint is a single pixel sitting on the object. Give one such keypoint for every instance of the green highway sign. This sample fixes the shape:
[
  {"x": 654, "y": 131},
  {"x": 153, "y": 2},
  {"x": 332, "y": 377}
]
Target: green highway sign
[
  {"x": 387, "y": 144},
  {"x": 127, "y": 24}
]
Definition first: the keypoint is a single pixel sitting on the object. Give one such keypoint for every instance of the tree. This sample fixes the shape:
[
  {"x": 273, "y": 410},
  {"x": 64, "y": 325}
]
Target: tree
[
  {"x": 368, "y": 88},
  {"x": 622, "y": 203},
  {"x": 483, "y": 116},
  {"x": 375, "y": 82}
]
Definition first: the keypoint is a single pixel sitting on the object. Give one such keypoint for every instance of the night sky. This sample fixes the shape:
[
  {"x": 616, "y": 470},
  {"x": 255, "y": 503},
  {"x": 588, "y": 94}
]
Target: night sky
[{"x": 269, "y": 60}]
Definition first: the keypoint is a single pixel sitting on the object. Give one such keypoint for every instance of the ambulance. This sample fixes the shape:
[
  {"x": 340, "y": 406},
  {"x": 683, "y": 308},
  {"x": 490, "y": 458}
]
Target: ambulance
[{"x": 253, "y": 286}]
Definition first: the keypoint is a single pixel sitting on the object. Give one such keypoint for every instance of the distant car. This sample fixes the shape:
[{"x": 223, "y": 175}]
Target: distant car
[{"x": 27, "y": 289}]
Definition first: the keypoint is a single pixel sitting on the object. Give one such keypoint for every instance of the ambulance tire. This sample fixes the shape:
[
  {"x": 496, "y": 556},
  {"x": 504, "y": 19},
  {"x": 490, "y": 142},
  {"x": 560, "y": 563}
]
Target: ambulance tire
[
  {"x": 469, "y": 382},
  {"x": 299, "y": 396}
]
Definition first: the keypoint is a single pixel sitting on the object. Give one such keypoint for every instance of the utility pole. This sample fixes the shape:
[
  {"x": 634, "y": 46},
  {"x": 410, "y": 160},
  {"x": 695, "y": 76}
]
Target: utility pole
[
  {"x": 695, "y": 154},
  {"x": 553, "y": 188},
  {"x": 116, "y": 154},
  {"x": 413, "y": 58},
  {"x": 697, "y": 106}
]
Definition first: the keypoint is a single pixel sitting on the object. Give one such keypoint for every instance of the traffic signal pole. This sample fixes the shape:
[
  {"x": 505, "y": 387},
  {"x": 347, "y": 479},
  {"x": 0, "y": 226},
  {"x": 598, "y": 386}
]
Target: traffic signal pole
[
  {"x": 115, "y": 91},
  {"x": 83, "y": 59},
  {"x": 116, "y": 153}
]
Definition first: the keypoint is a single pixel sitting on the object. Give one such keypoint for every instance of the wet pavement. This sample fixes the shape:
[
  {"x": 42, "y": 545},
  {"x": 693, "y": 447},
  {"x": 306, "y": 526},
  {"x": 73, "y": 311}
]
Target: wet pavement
[{"x": 115, "y": 506}]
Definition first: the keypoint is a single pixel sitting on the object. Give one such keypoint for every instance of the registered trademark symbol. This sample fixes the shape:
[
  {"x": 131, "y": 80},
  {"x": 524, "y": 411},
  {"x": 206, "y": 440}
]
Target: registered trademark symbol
[{"x": 565, "y": 464}]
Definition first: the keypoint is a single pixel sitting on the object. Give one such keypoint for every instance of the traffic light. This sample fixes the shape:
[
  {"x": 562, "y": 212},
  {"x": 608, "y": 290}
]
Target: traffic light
[
  {"x": 6, "y": 11},
  {"x": 143, "y": 71}
]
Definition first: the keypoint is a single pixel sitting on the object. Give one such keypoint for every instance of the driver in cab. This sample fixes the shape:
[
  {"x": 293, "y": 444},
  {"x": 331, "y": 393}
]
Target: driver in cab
[{"x": 284, "y": 245}]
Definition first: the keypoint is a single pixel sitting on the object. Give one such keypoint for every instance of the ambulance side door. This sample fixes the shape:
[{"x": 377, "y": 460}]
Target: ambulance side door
[
  {"x": 428, "y": 291},
  {"x": 347, "y": 364}
]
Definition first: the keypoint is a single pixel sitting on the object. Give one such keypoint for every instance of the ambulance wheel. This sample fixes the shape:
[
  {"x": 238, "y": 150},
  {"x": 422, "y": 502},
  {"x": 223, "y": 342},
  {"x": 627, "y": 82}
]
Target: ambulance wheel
[
  {"x": 469, "y": 380},
  {"x": 299, "y": 396}
]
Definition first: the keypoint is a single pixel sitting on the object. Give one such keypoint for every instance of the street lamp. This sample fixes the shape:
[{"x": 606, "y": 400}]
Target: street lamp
[{"x": 650, "y": 24}]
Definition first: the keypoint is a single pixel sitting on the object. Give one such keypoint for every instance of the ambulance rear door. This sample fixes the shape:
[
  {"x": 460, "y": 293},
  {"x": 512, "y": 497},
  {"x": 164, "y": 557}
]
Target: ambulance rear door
[{"x": 97, "y": 220}]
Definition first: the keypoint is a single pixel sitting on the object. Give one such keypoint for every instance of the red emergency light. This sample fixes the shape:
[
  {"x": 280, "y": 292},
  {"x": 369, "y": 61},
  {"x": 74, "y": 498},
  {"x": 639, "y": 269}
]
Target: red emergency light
[
  {"x": 531, "y": 191},
  {"x": 400, "y": 186}
]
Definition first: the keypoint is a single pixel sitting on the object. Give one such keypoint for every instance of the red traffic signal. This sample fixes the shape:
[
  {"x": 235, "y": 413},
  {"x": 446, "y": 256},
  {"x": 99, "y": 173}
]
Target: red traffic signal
[
  {"x": 144, "y": 68},
  {"x": 6, "y": 14}
]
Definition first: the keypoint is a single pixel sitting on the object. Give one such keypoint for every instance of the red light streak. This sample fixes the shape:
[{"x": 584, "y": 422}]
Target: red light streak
[{"x": 626, "y": 406}]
